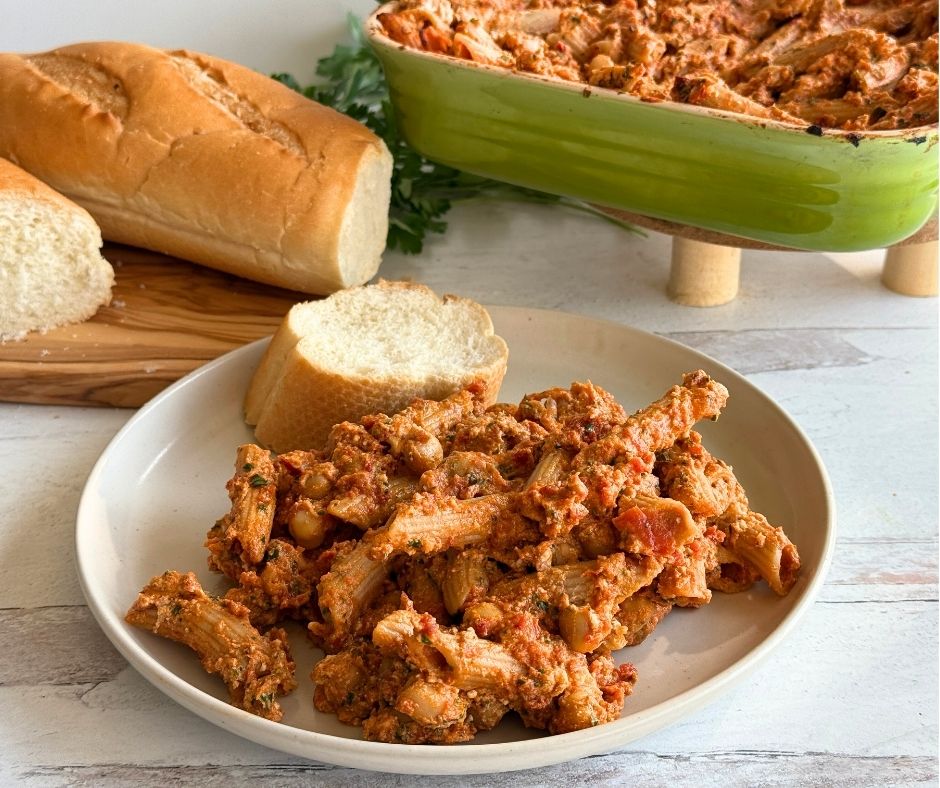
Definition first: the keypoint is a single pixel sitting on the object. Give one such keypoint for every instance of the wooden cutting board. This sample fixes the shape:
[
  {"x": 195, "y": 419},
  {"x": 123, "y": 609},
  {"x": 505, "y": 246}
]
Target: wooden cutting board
[{"x": 166, "y": 318}]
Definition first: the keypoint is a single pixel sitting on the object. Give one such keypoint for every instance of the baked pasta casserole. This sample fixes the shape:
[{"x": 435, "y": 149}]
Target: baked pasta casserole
[
  {"x": 456, "y": 562},
  {"x": 842, "y": 64}
]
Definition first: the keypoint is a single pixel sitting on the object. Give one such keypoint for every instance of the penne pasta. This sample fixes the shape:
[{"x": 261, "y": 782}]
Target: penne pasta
[
  {"x": 257, "y": 669},
  {"x": 659, "y": 425},
  {"x": 240, "y": 539},
  {"x": 683, "y": 581},
  {"x": 467, "y": 578},
  {"x": 469, "y": 662},
  {"x": 730, "y": 575},
  {"x": 552, "y": 468},
  {"x": 430, "y": 525},
  {"x": 637, "y": 617},
  {"x": 345, "y": 591},
  {"x": 766, "y": 550}
]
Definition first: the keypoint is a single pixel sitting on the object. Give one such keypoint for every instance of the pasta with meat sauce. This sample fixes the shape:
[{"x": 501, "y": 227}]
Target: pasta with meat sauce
[
  {"x": 843, "y": 64},
  {"x": 457, "y": 562}
]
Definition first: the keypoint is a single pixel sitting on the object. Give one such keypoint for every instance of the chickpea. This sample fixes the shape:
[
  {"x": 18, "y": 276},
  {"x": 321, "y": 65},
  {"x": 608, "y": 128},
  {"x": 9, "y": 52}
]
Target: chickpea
[
  {"x": 422, "y": 451},
  {"x": 600, "y": 61},
  {"x": 307, "y": 525},
  {"x": 317, "y": 481}
]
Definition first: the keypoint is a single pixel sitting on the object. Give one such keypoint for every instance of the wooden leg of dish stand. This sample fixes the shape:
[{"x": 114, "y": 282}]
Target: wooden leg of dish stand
[
  {"x": 703, "y": 274},
  {"x": 911, "y": 270}
]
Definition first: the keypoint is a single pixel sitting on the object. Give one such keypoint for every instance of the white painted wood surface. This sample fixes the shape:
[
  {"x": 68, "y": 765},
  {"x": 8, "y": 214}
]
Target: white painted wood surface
[{"x": 850, "y": 699}]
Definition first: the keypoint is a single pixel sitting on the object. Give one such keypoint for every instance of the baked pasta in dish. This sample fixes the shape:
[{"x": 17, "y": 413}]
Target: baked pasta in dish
[
  {"x": 457, "y": 562},
  {"x": 842, "y": 64}
]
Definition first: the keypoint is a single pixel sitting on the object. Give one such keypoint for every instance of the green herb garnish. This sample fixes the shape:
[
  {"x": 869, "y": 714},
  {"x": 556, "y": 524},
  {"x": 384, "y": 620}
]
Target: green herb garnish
[
  {"x": 257, "y": 480},
  {"x": 539, "y": 604},
  {"x": 422, "y": 190},
  {"x": 266, "y": 699}
]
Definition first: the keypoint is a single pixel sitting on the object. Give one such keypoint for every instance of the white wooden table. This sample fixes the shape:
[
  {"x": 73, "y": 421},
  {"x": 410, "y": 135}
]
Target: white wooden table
[{"x": 850, "y": 699}]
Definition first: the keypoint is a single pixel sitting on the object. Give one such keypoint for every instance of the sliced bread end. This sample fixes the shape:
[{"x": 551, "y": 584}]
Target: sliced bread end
[
  {"x": 51, "y": 270},
  {"x": 368, "y": 350}
]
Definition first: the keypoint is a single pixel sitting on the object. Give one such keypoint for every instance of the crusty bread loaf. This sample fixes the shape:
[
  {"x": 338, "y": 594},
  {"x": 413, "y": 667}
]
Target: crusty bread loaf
[
  {"x": 51, "y": 270},
  {"x": 368, "y": 350},
  {"x": 203, "y": 159}
]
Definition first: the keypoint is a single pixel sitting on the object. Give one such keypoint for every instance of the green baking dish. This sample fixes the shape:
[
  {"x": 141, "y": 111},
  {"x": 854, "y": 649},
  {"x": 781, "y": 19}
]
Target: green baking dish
[{"x": 763, "y": 180}]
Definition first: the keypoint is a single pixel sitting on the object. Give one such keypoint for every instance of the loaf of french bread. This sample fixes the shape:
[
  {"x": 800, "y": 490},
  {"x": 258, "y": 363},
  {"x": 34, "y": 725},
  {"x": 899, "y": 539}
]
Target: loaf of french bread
[{"x": 203, "y": 159}]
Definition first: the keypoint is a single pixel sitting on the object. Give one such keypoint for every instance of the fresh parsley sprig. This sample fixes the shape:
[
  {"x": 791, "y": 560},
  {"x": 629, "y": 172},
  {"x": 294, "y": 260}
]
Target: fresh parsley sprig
[{"x": 422, "y": 190}]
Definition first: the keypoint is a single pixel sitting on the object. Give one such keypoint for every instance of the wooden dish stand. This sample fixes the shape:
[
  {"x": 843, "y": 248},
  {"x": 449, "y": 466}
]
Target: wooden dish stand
[{"x": 706, "y": 265}]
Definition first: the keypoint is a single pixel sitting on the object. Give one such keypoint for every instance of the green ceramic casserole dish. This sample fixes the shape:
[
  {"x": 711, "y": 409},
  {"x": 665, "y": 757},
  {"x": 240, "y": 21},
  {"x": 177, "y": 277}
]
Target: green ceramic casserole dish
[{"x": 763, "y": 180}]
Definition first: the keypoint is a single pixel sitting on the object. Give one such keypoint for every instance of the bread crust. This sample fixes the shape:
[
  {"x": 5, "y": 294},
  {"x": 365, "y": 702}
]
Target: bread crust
[
  {"x": 294, "y": 399},
  {"x": 197, "y": 157},
  {"x": 17, "y": 182}
]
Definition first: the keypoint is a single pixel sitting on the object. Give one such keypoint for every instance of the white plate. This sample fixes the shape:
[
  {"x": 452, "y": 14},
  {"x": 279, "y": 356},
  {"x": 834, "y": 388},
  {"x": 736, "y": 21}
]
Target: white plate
[{"x": 160, "y": 484}]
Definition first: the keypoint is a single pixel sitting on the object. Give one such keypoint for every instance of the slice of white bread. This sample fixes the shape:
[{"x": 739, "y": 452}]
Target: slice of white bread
[
  {"x": 370, "y": 349},
  {"x": 51, "y": 270}
]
